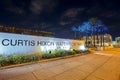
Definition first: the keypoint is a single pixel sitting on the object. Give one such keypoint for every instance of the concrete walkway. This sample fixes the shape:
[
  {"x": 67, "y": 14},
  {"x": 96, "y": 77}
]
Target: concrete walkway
[{"x": 103, "y": 65}]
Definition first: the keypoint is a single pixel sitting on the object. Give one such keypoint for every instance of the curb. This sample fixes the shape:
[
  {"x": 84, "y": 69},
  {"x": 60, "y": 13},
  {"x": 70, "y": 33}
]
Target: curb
[{"x": 44, "y": 60}]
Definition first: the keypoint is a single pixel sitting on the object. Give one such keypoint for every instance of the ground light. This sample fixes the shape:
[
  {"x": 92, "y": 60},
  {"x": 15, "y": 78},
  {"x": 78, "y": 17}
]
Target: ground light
[{"x": 83, "y": 48}]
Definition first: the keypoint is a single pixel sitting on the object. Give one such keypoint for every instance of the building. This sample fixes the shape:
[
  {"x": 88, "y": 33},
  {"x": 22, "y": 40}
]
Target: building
[
  {"x": 98, "y": 40},
  {"x": 117, "y": 42},
  {"x": 25, "y": 31}
]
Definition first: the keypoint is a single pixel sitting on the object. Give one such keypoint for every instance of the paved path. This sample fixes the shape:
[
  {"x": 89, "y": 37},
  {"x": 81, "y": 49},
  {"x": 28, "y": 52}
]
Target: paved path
[{"x": 103, "y": 65}]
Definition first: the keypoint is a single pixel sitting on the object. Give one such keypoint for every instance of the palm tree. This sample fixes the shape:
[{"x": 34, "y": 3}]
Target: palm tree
[
  {"x": 93, "y": 22},
  {"x": 105, "y": 30},
  {"x": 99, "y": 30},
  {"x": 75, "y": 30},
  {"x": 80, "y": 31},
  {"x": 85, "y": 29}
]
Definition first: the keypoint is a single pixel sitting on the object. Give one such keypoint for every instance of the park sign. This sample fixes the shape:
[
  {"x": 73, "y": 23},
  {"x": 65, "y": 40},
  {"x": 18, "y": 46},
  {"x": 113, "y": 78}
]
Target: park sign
[{"x": 27, "y": 44}]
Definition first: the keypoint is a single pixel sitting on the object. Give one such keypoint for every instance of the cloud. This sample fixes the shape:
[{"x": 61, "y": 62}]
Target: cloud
[
  {"x": 96, "y": 9},
  {"x": 73, "y": 12},
  {"x": 10, "y": 7},
  {"x": 109, "y": 14},
  {"x": 37, "y": 6},
  {"x": 16, "y": 10},
  {"x": 63, "y": 23},
  {"x": 70, "y": 16}
]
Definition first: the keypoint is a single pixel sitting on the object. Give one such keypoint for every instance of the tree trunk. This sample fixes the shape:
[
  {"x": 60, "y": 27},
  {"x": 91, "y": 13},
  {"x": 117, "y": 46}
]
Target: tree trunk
[
  {"x": 75, "y": 34},
  {"x": 97, "y": 37},
  {"x": 86, "y": 40},
  {"x": 94, "y": 37}
]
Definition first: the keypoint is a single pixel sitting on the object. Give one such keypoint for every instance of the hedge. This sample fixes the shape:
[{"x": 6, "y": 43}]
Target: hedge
[{"x": 24, "y": 58}]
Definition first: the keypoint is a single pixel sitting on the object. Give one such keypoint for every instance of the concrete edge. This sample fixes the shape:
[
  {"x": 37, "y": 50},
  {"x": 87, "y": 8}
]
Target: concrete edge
[{"x": 40, "y": 61}]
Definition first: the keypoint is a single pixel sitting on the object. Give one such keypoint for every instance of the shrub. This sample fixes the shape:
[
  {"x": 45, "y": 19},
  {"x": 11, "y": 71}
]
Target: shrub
[
  {"x": 23, "y": 58},
  {"x": 60, "y": 53},
  {"x": 86, "y": 51},
  {"x": 78, "y": 51},
  {"x": 31, "y": 58},
  {"x": 3, "y": 61},
  {"x": 15, "y": 59},
  {"x": 70, "y": 52},
  {"x": 47, "y": 56}
]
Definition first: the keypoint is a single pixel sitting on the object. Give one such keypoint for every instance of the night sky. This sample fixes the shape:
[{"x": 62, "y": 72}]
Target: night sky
[{"x": 58, "y": 16}]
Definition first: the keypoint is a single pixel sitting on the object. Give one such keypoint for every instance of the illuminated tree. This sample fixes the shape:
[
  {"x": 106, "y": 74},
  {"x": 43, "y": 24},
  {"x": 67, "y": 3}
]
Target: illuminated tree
[
  {"x": 85, "y": 29},
  {"x": 74, "y": 28},
  {"x": 93, "y": 22},
  {"x": 100, "y": 29},
  {"x": 93, "y": 27}
]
